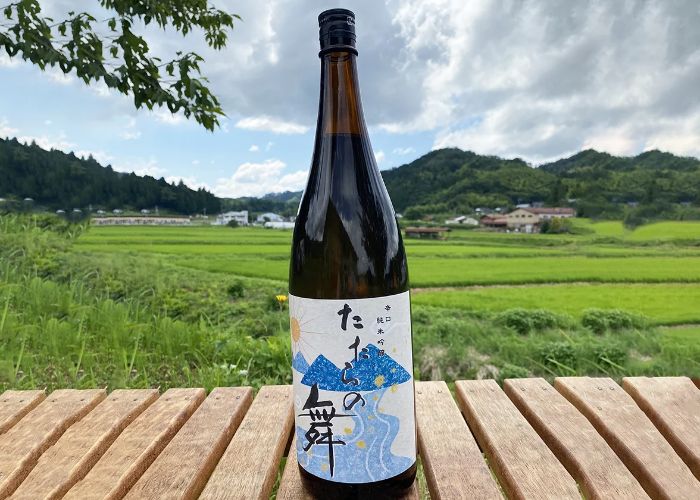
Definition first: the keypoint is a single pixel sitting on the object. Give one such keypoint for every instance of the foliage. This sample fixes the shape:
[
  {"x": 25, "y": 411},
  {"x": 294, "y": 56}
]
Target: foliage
[
  {"x": 112, "y": 51},
  {"x": 599, "y": 185},
  {"x": 556, "y": 225},
  {"x": 600, "y": 320},
  {"x": 233, "y": 223},
  {"x": 63, "y": 181},
  {"x": 526, "y": 320}
]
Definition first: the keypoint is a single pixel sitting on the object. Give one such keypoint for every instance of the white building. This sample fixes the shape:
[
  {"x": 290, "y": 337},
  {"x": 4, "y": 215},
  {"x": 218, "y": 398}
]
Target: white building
[
  {"x": 269, "y": 217},
  {"x": 240, "y": 217},
  {"x": 279, "y": 225},
  {"x": 463, "y": 219}
]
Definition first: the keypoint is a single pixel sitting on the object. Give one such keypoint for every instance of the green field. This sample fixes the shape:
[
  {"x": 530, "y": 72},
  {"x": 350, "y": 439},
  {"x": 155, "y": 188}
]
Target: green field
[
  {"x": 660, "y": 279},
  {"x": 196, "y": 306}
]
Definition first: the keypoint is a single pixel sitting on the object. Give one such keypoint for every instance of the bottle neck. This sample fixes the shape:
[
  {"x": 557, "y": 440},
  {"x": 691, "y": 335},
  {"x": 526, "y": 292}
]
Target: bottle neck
[{"x": 340, "y": 108}]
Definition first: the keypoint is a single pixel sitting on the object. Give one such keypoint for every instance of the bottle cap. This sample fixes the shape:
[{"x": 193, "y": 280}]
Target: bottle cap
[{"x": 337, "y": 31}]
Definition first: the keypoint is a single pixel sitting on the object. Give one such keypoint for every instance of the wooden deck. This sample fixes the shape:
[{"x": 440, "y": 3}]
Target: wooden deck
[{"x": 581, "y": 436}]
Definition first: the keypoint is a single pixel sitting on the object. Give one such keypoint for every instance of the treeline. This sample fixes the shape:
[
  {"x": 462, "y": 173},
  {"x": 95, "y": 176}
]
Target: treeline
[
  {"x": 449, "y": 181},
  {"x": 57, "y": 180}
]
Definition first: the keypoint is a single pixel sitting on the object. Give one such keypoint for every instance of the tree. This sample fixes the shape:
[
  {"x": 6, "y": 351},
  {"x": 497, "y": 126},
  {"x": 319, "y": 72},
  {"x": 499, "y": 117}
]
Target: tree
[{"x": 112, "y": 51}]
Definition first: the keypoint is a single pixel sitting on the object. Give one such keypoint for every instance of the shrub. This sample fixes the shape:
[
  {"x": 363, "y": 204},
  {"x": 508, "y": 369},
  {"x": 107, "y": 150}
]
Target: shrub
[
  {"x": 524, "y": 321},
  {"x": 560, "y": 357},
  {"x": 602, "y": 320},
  {"x": 232, "y": 223},
  {"x": 610, "y": 355},
  {"x": 236, "y": 289}
]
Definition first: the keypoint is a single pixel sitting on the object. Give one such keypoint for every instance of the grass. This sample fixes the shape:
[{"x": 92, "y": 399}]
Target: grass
[
  {"x": 195, "y": 306},
  {"x": 662, "y": 303}
]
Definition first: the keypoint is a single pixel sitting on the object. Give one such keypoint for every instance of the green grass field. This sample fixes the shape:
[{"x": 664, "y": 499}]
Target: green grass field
[{"x": 196, "y": 306}]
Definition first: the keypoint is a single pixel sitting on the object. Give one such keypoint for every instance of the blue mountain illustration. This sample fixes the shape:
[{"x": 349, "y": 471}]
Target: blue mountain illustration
[
  {"x": 372, "y": 372},
  {"x": 299, "y": 363}
]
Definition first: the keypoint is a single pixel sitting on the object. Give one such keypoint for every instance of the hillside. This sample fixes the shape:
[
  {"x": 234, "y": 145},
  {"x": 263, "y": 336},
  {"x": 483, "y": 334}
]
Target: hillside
[
  {"x": 56, "y": 180},
  {"x": 451, "y": 180}
]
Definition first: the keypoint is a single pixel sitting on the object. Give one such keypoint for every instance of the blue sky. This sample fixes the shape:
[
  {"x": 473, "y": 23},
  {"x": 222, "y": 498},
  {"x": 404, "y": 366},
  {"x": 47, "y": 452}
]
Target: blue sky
[{"x": 535, "y": 79}]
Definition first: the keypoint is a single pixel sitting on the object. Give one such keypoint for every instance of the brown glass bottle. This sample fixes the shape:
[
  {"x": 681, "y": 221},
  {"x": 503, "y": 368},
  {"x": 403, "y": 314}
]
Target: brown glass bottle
[{"x": 347, "y": 243}]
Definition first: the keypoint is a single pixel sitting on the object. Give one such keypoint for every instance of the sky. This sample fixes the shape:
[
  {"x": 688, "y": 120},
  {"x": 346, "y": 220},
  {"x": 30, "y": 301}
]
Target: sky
[{"x": 533, "y": 79}]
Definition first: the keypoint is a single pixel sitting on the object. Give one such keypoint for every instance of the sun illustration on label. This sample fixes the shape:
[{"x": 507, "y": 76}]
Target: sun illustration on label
[{"x": 300, "y": 321}]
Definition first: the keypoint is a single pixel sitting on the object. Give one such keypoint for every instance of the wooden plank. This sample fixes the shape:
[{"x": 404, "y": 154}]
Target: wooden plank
[
  {"x": 137, "y": 446},
  {"x": 249, "y": 466},
  {"x": 574, "y": 441},
  {"x": 524, "y": 465},
  {"x": 82, "y": 445},
  {"x": 292, "y": 487},
  {"x": 631, "y": 435},
  {"x": 452, "y": 461},
  {"x": 16, "y": 404},
  {"x": 673, "y": 406},
  {"x": 184, "y": 466},
  {"x": 23, "y": 444}
]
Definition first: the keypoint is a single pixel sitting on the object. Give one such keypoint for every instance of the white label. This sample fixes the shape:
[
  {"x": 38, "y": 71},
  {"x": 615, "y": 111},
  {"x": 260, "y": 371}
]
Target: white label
[{"x": 353, "y": 387}]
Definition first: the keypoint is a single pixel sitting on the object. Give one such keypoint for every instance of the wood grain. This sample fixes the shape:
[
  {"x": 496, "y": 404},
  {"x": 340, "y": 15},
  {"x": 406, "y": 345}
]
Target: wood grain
[
  {"x": 574, "y": 441},
  {"x": 138, "y": 446},
  {"x": 525, "y": 466},
  {"x": 292, "y": 487},
  {"x": 249, "y": 465},
  {"x": 82, "y": 445},
  {"x": 16, "y": 404},
  {"x": 452, "y": 461},
  {"x": 673, "y": 406},
  {"x": 23, "y": 444},
  {"x": 632, "y": 436},
  {"x": 184, "y": 466}
]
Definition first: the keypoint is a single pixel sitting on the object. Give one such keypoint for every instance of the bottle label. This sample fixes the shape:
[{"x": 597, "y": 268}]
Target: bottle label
[{"x": 353, "y": 387}]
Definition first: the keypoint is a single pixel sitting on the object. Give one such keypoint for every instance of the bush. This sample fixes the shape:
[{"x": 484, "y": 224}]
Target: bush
[
  {"x": 512, "y": 371},
  {"x": 524, "y": 321},
  {"x": 236, "y": 290},
  {"x": 232, "y": 223},
  {"x": 560, "y": 357},
  {"x": 602, "y": 320}
]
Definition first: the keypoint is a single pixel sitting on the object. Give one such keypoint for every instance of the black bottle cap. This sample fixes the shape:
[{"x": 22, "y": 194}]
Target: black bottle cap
[{"x": 337, "y": 31}]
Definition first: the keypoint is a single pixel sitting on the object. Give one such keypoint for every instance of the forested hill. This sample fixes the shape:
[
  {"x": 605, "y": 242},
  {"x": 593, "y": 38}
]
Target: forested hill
[
  {"x": 598, "y": 184},
  {"x": 57, "y": 180}
]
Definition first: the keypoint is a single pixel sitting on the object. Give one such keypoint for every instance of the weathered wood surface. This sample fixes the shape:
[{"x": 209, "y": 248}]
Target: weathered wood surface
[
  {"x": 629, "y": 432},
  {"x": 16, "y": 404},
  {"x": 77, "y": 451},
  {"x": 137, "y": 446},
  {"x": 452, "y": 461},
  {"x": 525, "y": 467},
  {"x": 574, "y": 441},
  {"x": 22, "y": 445},
  {"x": 75, "y": 444},
  {"x": 184, "y": 466},
  {"x": 292, "y": 488},
  {"x": 249, "y": 465},
  {"x": 673, "y": 406}
]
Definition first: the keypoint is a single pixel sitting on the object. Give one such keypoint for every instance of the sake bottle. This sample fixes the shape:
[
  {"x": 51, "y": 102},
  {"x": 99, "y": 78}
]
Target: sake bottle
[{"x": 349, "y": 301}]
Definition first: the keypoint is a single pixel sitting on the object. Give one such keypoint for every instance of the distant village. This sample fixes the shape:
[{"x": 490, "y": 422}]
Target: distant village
[{"x": 524, "y": 218}]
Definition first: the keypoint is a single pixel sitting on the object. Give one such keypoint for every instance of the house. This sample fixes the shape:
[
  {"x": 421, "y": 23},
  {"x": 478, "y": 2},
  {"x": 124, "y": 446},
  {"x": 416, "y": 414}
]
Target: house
[
  {"x": 226, "y": 217},
  {"x": 145, "y": 211},
  {"x": 117, "y": 211},
  {"x": 279, "y": 225},
  {"x": 528, "y": 220},
  {"x": 463, "y": 219},
  {"x": 494, "y": 221},
  {"x": 433, "y": 233},
  {"x": 269, "y": 217}
]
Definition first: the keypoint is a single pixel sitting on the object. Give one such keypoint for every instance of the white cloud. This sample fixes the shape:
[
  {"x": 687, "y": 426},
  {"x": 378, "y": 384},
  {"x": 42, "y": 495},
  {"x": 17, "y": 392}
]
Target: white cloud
[
  {"x": 269, "y": 124},
  {"x": 269, "y": 145},
  {"x": 403, "y": 151},
  {"x": 163, "y": 115},
  {"x": 257, "y": 179},
  {"x": 49, "y": 142},
  {"x": 6, "y": 130},
  {"x": 130, "y": 135},
  {"x": 195, "y": 162},
  {"x": 48, "y": 122},
  {"x": 191, "y": 182},
  {"x": 254, "y": 148},
  {"x": 7, "y": 61},
  {"x": 379, "y": 156}
]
